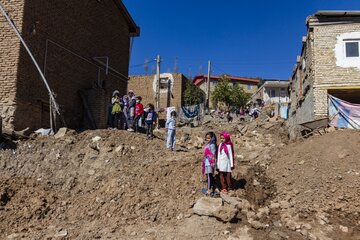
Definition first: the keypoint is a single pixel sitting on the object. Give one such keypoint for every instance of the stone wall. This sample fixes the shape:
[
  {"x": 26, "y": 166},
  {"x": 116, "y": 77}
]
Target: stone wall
[
  {"x": 79, "y": 31},
  {"x": 328, "y": 74}
]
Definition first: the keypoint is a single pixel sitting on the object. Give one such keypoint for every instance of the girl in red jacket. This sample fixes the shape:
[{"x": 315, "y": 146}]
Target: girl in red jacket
[{"x": 139, "y": 110}]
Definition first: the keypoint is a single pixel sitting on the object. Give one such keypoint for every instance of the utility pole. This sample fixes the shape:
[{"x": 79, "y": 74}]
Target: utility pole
[
  {"x": 158, "y": 61},
  {"x": 208, "y": 87}
]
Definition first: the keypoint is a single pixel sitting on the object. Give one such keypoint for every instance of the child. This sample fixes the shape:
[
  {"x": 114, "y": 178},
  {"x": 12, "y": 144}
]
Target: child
[
  {"x": 150, "y": 120},
  {"x": 116, "y": 109},
  {"x": 225, "y": 161},
  {"x": 242, "y": 114},
  {"x": 171, "y": 131},
  {"x": 208, "y": 164},
  {"x": 139, "y": 110}
]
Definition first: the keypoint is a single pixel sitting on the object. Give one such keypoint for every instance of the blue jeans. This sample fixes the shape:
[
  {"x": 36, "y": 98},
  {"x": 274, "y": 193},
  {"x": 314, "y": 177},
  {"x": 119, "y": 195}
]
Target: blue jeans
[{"x": 170, "y": 140}]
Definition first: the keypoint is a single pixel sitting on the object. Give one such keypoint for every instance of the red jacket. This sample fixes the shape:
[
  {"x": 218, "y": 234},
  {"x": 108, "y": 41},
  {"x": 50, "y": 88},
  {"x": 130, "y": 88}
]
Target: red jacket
[{"x": 139, "y": 109}]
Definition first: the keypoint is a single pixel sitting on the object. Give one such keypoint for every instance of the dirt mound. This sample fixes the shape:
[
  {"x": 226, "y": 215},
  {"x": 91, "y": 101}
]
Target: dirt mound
[{"x": 320, "y": 177}]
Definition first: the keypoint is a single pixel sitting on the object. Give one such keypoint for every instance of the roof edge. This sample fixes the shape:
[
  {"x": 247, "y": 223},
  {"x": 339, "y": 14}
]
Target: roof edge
[{"x": 134, "y": 29}]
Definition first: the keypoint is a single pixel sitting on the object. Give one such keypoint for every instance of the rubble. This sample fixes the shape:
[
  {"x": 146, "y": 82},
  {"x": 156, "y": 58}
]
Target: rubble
[{"x": 116, "y": 184}]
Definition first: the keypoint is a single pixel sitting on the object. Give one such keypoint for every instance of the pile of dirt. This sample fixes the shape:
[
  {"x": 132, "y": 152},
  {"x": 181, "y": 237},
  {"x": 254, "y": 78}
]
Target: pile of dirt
[
  {"x": 119, "y": 185},
  {"x": 112, "y": 177},
  {"x": 318, "y": 180}
]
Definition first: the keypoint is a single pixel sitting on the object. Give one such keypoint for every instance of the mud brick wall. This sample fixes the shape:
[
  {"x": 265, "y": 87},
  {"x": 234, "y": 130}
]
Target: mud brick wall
[
  {"x": 143, "y": 86},
  {"x": 89, "y": 29}
]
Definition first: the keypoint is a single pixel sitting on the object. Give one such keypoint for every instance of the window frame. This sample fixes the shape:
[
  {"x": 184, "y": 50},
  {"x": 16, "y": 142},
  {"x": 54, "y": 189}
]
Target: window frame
[{"x": 351, "y": 41}]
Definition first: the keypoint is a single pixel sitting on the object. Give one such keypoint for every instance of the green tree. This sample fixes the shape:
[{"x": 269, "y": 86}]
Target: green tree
[
  {"x": 222, "y": 91},
  {"x": 192, "y": 94},
  {"x": 239, "y": 97},
  {"x": 231, "y": 95}
]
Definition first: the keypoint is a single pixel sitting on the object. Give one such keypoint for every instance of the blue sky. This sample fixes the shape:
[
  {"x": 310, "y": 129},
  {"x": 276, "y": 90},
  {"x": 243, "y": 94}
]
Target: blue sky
[{"x": 243, "y": 38}]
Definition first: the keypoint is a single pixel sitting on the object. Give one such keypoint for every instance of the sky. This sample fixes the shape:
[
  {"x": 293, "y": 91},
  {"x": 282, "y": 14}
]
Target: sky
[{"x": 255, "y": 38}]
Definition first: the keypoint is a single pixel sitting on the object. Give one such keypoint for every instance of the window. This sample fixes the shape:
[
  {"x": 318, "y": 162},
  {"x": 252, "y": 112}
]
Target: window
[
  {"x": 165, "y": 83},
  {"x": 283, "y": 92},
  {"x": 249, "y": 87},
  {"x": 272, "y": 93},
  {"x": 351, "y": 49}
]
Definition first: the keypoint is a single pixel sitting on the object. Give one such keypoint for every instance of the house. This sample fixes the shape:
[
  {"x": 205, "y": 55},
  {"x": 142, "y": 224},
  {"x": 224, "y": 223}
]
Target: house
[
  {"x": 329, "y": 65},
  {"x": 83, "y": 48},
  {"x": 250, "y": 85},
  {"x": 276, "y": 94},
  {"x": 172, "y": 87}
]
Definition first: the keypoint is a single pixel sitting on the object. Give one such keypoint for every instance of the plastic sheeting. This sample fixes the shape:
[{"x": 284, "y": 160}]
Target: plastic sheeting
[{"x": 343, "y": 114}]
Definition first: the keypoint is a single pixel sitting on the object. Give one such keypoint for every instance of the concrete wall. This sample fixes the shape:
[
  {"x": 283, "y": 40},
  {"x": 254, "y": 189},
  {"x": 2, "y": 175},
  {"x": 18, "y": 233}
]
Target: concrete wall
[{"x": 87, "y": 28}]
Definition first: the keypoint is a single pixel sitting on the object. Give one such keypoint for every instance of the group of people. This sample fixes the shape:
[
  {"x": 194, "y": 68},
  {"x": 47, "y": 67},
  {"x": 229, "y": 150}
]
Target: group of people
[
  {"x": 218, "y": 158},
  {"x": 128, "y": 113},
  {"x": 253, "y": 111}
]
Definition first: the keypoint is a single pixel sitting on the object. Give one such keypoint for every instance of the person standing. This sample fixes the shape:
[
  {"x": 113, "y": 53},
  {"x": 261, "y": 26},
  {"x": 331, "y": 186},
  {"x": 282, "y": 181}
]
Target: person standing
[
  {"x": 171, "y": 131},
  {"x": 225, "y": 161},
  {"x": 208, "y": 164},
  {"x": 132, "y": 103},
  {"x": 116, "y": 110},
  {"x": 139, "y": 110},
  {"x": 150, "y": 120}
]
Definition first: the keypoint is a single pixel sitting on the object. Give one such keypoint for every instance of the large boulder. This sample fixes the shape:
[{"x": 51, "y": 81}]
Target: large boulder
[
  {"x": 207, "y": 206},
  {"x": 226, "y": 214}
]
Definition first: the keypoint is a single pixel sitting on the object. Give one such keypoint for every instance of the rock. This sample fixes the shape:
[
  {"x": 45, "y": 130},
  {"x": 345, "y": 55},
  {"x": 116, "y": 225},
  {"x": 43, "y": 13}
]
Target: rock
[
  {"x": 307, "y": 226},
  {"x": 62, "y": 233},
  {"x": 242, "y": 234},
  {"x": 253, "y": 155},
  {"x": 330, "y": 129},
  {"x": 290, "y": 224},
  {"x": 119, "y": 148},
  {"x": 344, "y": 229},
  {"x": 96, "y": 139},
  {"x": 284, "y": 204},
  {"x": 226, "y": 214},
  {"x": 277, "y": 235},
  {"x": 195, "y": 123},
  {"x": 91, "y": 172},
  {"x": 206, "y": 206},
  {"x": 61, "y": 133},
  {"x": 274, "y": 206},
  {"x": 343, "y": 155},
  {"x": 304, "y": 232},
  {"x": 257, "y": 225},
  {"x": 263, "y": 212},
  {"x": 13, "y": 236},
  {"x": 256, "y": 182}
]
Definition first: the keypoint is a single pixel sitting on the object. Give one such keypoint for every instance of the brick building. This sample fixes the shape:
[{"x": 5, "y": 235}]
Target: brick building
[
  {"x": 250, "y": 85},
  {"x": 329, "y": 64},
  {"x": 172, "y": 87},
  {"x": 83, "y": 47}
]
